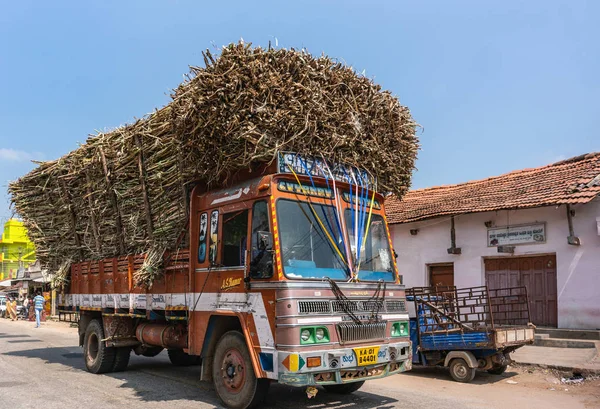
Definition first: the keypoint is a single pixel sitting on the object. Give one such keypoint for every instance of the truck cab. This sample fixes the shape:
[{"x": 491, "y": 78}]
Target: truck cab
[{"x": 279, "y": 253}]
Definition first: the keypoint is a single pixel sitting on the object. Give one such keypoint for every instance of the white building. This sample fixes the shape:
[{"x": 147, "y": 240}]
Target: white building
[{"x": 535, "y": 227}]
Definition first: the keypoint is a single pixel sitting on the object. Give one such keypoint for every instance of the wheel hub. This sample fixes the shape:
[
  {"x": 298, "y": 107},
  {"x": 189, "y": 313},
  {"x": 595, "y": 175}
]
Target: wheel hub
[
  {"x": 461, "y": 371},
  {"x": 92, "y": 348},
  {"x": 233, "y": 372}
]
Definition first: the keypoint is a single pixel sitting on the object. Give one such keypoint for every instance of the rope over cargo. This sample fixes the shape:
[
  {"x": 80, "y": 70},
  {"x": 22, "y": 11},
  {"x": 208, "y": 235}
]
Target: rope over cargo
[{"x": 126, "y": 191}]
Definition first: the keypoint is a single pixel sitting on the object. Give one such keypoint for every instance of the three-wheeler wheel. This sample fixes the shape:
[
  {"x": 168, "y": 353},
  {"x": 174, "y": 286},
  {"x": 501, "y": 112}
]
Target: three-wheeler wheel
[
  {"x": 233, "y": 375},
  {"x": 344, "y": 389},
  {"x": 461, "y": 371}
]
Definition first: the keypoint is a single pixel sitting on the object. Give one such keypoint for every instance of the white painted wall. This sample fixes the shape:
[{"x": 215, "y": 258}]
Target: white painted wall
[{"x": 578, "y": 267}]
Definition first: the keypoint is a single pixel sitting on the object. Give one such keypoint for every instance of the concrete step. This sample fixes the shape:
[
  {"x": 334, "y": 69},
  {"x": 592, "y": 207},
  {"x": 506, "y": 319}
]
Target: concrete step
[
  {"x": 581, "y": 360},
  {"x": 541, "y": 336},
  {"x": 593, "y": 335},
  {"x": 542, "y": 341}
]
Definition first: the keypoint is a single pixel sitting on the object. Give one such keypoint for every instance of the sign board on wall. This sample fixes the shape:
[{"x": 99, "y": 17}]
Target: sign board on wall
[{"x": 522, "y": 234}]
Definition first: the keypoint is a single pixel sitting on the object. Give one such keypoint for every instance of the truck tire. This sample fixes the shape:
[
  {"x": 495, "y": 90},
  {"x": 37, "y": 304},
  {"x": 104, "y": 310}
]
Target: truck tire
[
  {"x": 497, "y": 369},
  {"x": 460, "y": 371},
  {"x": 235, "y": 382},
  {"x": 180, "y": 358},
  {"x": 344, "y": 389},
  {"x": 151, "y": 352},
  {"x": 122, "y": 355},
  {"x": 98, "y": 357}
]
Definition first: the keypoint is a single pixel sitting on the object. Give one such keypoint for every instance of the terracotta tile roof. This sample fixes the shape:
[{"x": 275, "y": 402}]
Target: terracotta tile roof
[{"x": 575, "y": 180}]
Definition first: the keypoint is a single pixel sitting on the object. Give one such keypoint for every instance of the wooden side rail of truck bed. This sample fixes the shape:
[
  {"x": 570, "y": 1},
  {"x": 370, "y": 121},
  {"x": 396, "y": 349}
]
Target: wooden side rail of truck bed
[{"x": 109, "y": 284}]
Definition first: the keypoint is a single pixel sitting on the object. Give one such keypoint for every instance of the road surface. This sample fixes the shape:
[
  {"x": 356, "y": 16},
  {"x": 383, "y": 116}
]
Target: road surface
[{"x": 43, "y": 368}]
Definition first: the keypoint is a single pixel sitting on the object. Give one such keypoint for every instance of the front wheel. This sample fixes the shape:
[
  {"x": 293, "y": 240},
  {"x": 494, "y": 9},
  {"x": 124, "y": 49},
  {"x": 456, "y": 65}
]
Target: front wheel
[
  {"x": 497, "y": 369},
  {"x": 460, "y": 371},
  {"x": 344, "y": 389},
  {"x": 233, "y": 375}
]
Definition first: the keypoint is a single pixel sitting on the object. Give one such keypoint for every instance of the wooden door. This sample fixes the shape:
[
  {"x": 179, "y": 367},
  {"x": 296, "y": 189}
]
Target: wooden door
[
  {"x": 538, "y": 274},
  {"x": 441, "y": 275},
  {"x": 502, "y": 273}
]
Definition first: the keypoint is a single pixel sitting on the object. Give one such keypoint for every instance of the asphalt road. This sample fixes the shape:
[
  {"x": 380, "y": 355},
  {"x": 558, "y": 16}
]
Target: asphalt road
[{"x": 43, "y": 368}]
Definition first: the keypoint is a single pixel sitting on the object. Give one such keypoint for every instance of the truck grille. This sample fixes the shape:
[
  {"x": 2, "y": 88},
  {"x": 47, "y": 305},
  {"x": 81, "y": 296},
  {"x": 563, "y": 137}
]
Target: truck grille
[
  {"x": 314, "y": 307},
  {"x": 395, "y": 306},
  {"x": 356, "y": 333},
  {"x": 355, "y": 306}
]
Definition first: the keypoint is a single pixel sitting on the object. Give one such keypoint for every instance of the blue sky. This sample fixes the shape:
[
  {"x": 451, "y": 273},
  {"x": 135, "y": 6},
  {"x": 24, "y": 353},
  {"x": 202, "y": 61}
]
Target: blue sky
[{"x": 497, "y": 86}]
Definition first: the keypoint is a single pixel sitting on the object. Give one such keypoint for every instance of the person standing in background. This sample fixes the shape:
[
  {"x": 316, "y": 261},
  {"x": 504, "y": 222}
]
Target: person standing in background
[
  {"x": 9, "y": 309},
  {"x": 31, "y": 315},
  {"x": 38, "y": 302},
  {"x": 26, "y": 305},
  {"x": 13, "y": 312}
]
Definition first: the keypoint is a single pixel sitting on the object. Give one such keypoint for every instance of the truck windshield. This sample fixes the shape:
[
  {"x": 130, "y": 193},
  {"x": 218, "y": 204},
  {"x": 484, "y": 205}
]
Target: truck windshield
[
  {"x": 311, "y": 244},
  {"x": 375, "y": 258}
]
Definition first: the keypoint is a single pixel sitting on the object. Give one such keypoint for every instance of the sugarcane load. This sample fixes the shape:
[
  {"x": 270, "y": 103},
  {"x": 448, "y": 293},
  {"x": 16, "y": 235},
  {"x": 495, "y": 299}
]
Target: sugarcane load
[{"x": 241, "y": 227}]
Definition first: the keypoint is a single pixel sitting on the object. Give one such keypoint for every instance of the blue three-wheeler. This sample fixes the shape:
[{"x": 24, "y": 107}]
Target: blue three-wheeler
[{"x": 469, "y": 328}]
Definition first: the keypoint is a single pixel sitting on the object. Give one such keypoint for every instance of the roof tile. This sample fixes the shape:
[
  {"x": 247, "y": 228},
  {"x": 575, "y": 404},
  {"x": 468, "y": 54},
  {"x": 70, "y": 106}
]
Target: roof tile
[{"x": 572, "y": 181}]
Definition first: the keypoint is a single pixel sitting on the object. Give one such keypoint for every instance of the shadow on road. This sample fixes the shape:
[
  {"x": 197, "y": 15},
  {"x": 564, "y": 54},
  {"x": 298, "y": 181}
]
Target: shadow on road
[
  {"x": 157, "y": 380},
  {"x": 435, "y": 372},
  {"x": 13, "y": 336}
]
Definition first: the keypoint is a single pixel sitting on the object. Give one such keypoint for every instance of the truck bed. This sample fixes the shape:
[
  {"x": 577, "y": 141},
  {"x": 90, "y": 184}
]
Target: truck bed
[
  {"x": 108, "y": 285},
  {"x": 497, "y": 338}
]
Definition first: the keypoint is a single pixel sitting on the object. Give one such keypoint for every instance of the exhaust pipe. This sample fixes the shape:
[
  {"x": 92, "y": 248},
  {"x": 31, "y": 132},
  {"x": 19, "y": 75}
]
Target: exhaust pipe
[{"x": 162, "y": 335}]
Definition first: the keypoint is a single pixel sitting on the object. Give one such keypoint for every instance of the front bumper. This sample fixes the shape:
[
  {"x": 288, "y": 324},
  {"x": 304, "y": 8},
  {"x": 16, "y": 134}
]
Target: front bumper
[{"x": 340, "y": 365}]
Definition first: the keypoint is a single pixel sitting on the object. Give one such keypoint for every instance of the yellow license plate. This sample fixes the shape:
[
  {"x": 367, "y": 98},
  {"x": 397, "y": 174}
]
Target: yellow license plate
[{"x": 366, "y": 356}]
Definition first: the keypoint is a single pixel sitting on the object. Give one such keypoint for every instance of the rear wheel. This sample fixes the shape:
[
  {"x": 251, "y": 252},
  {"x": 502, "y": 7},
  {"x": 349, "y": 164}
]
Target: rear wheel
[
  {"x": 148, "y": 351},
  {"x": 98, "y": 357},
  {"x": 121, "y": 359},
  {"x": 460, "y": 371},
  {"x": 233, "y": 375},
  {"x": 497, "y": 369},
  {"x": 344, "y": 389},
  {"x": 180, "y": 358}
]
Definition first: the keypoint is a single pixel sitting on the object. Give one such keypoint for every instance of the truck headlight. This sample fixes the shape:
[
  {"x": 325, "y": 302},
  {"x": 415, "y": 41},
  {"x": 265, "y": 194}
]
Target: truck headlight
[
  {"x": 400, "y": 329},
  {"x": 320, "y": 334},
  {"x": 312, "y": 335},
  {"x": 305, "y": 335}
]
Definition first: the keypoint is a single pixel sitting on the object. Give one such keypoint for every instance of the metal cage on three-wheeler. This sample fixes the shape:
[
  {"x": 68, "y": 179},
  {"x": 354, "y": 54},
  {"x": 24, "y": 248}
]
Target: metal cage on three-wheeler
[{"x": 468, "y": 329}]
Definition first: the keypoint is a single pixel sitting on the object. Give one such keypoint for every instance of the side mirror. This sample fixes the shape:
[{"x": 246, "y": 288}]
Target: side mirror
[
  {"x": 264, "y": 240},
  {"x": 261, "y": 265}
]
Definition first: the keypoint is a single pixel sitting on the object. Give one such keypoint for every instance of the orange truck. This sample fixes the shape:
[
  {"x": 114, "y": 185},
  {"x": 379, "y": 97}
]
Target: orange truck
[{"x": 289, "y": 276}]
